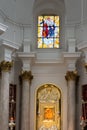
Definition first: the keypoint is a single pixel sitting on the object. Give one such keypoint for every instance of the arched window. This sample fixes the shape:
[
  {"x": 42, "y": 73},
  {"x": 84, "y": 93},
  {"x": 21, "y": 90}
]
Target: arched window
[{"x": 48, "y": 31}]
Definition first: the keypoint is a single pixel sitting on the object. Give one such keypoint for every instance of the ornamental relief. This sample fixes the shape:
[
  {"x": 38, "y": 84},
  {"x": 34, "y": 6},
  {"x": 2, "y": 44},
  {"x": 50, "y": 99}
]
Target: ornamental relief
[
  {"x": 48, "y": 94},
  {"x": 48, "y": 108}
]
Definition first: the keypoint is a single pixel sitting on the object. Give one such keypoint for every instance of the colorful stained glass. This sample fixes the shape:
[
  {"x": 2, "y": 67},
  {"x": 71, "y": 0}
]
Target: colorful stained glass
[{"x": 48, "y": 31}]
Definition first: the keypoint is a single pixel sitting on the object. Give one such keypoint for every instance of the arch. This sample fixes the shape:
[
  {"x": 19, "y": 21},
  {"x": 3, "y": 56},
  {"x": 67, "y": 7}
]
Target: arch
[
  {"x": 50, "y": 7},
  {"x": 48, "y": 107}
]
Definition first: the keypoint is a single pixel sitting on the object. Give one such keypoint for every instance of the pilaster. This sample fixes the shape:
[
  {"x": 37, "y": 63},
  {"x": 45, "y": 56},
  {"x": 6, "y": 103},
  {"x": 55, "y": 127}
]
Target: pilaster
[
  {"x": 71, "y": 77},
  {"x": 83, "y": 47},
  {"x": 25, "y": 81},
  {"x": 4, "y": 99},
  {"x": 6, "y": 50}
]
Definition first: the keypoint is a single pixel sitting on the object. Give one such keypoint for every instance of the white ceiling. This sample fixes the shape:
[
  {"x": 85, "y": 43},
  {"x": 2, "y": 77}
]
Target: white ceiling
[{"x": 21, "y": 11}]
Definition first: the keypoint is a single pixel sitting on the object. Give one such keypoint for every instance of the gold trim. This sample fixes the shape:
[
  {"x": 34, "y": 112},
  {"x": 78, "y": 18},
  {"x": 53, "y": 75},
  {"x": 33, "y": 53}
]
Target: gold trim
[
  {"x": 61, "y": 92},
  {"x": 71, "y": 75},
  {"x": 50, "y": 105},
  {"x": 26, "y": 75},
  {"x": 6, "y": 65}
]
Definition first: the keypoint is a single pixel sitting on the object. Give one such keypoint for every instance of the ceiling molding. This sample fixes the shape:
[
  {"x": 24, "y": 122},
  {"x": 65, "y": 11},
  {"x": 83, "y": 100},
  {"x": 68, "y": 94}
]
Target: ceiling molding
[
  {"x": 6, "y": 18},
  {"x": 9, "y": 44},
  {"x": 3, "y": 28}
]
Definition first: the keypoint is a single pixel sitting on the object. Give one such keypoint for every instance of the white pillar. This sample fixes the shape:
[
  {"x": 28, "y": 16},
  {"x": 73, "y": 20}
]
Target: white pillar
[
  {"x": 26, "y": 77},
  {"x": 71, "y": 79},
  {"x": 5, "y": 67}
]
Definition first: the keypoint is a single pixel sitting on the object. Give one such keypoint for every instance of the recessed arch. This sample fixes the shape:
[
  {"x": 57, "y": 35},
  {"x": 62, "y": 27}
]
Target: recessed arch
[
  {"x": 48, "y": 107},
  {"x": 50, "y": 7}
]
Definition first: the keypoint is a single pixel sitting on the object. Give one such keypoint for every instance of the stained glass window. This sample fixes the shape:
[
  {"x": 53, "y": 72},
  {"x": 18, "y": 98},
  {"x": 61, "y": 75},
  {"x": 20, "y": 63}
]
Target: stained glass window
[{"x": 48, "y": 32}]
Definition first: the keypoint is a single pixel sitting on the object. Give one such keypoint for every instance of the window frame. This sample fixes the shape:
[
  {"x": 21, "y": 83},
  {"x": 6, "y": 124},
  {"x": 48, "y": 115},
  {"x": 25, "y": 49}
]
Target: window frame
[{"x": 58, "y": 31}]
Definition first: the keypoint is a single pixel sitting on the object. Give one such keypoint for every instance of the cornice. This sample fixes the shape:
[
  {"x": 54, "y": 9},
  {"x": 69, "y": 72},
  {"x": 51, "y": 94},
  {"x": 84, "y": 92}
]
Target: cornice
[
  {"x": 71, "y": 55},
  {"x": 9, "y": 44},
  {"x": 6, "y": 18},
  {"x": 82, "y": 46},
  {"x": 3, "y": 28},
  {"x": 49, "y": 61},
  {"x": 26, "y": 54}
]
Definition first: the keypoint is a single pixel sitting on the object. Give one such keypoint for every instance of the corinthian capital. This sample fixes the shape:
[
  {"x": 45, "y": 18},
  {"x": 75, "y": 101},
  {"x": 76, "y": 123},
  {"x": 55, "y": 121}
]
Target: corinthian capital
[
  {"x": 0, "y": 72},
  {"x": 6, "y": 65},
  {"x": 26, "y": 75},
  {"x": 71, "y": 75},
  {"x": 85, "y": 66}
]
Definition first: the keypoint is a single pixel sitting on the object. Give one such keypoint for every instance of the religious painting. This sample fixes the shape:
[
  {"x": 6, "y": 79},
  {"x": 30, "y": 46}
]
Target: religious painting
[
  {"x": 49, "y": 113},
  {"x": 48, "y": 31}
]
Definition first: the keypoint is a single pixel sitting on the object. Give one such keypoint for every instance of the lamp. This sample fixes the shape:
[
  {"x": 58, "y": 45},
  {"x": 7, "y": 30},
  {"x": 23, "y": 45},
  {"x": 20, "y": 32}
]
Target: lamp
[{"x": 11, "y": 123}]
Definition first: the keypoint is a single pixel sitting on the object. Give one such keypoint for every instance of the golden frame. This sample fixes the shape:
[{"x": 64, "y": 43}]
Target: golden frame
[{"x": 55, "y": 119}]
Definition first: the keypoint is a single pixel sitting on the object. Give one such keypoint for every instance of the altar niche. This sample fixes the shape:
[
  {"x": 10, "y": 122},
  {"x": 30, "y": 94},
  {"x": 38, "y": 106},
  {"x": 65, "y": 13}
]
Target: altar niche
[{"x": 48, "y": 108}]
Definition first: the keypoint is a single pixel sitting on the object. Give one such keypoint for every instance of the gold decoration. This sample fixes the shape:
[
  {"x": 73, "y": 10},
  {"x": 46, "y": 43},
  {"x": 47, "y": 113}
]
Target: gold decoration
[
  {"x": 49, "y": 113},
  {"x": 85, "y": 66},
  {"x": 48, "y": 107},
  {"x": 6, "y": 65},
  {"x": 71, "y": 75},
  {"x": 26, "y": 75},
  {"x": 0, "y": 72}
]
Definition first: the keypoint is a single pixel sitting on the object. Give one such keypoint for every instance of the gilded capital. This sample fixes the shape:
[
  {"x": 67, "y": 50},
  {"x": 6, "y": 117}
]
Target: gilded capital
[
  {"x": 71, "y": 75},
  {"x": 0, "y": 72},
  {"x": 26, "y": 75},
  {"x": 6, "y": 65},
  {"x": 85, "y": 66}
]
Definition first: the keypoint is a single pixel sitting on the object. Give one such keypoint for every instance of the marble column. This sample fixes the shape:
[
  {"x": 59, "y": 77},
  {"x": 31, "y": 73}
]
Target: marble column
[
  {"x": 0, "y": 95},
  {"x": 71, "y": 77},
  {"x": 5, "y": 69},
  {"x": 26, "y": 78}
]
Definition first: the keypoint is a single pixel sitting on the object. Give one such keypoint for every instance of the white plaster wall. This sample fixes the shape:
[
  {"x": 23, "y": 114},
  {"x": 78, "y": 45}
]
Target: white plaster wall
[
  {"x": 85, "y": 10},
  {"x": 14, "y": 33},
  {"x": 54, "y": 74},
  {"x": 81, "y": 31},
  {"x": 73, "y": 11}
]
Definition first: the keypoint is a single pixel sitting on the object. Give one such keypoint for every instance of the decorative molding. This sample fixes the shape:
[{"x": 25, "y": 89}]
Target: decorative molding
[
  {"x": 6, "y": 65},
  {"x": 49, "y": 61},
  {"x": 26, "y": 54},
  {"x": 71, "y": 55},
  {"x": 3, "y": 28},
  {"x": 82, "y": 45},
  {"x": 9, "y": 44},
  {"x": 6, "y": 18}
]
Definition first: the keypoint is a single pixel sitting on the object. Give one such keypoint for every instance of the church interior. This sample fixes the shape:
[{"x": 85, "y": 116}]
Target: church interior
[{"x": 43, "y": 65}]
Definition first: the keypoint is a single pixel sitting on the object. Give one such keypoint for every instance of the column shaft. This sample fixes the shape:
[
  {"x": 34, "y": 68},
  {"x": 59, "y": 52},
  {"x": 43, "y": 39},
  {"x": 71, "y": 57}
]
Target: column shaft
[
  {"x": 4, "y": 100},
  {"x": 71, "y": 77},
  {"x": 25, "y": 106},
  {"x": 71, "y": 105},
  {"x": 26, "y": 78},
  {"x": 0, "y": 100}
]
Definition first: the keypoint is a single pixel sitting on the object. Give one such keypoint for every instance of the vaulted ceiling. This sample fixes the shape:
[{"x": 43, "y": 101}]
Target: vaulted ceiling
[{"x": 21, "y": 11}]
